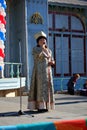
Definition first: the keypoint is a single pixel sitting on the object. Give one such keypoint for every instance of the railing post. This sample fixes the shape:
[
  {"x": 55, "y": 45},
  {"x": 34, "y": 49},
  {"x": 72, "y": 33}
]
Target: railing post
[
  {"x": 12, "y": 68},
  {"x": 12, "y": 72},
  {"x": 18, "y": 71},
  {"x": 61, "y": 84}
]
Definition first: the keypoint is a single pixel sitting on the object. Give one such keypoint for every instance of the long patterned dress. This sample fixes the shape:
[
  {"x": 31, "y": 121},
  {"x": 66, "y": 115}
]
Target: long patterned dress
[{"x": 41, "y": 94}]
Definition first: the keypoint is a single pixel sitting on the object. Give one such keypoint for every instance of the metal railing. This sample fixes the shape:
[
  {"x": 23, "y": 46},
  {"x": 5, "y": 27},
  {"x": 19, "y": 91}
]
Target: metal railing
[
  {"x": 12, "y": 69},
  {"x": 60, "y": 84}
]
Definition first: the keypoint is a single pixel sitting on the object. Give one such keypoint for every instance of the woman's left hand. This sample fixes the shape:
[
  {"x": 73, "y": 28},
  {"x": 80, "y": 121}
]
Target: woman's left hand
[{"x": 51, "y": 63}]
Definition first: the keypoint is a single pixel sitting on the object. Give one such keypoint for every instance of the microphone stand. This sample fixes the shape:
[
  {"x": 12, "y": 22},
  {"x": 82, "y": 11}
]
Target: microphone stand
[{"x": 20, "y": 112}]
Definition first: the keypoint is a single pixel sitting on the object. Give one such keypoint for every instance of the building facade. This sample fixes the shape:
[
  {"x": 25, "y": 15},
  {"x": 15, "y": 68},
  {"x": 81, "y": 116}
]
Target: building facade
[{"x": 65, "y": 24}]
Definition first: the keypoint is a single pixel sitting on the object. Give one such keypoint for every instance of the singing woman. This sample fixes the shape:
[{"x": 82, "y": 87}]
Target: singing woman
[{"x": 41, "y": 93}]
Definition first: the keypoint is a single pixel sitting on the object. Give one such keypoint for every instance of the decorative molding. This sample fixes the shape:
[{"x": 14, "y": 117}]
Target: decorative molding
[
  {"x": 80, "y": 12},
  {"x": 36, "y": 18},
  {"x": 56, "y": 8},
  {"x": 37, "y": 1}
]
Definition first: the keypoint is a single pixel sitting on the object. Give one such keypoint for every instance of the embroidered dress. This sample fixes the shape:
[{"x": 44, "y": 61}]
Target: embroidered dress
[{"x": 41, "y": 94}]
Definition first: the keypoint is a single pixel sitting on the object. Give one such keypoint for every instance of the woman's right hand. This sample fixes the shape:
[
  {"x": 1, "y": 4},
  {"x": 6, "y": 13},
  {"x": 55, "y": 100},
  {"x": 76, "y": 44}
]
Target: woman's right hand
[{"x": 44, "y": 47}]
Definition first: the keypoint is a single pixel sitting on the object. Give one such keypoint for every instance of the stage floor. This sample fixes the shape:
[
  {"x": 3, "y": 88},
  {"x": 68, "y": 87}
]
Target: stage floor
[{"x": 67, "y": 107}]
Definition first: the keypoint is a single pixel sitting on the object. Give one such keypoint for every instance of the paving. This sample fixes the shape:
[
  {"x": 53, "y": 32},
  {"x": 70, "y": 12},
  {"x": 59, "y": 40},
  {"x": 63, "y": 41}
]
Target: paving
[{"x": 67, "y": 107}]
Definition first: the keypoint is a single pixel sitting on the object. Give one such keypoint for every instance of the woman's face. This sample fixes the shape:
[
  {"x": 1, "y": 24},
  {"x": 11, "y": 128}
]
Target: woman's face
[{"x": 42, "y": 41}]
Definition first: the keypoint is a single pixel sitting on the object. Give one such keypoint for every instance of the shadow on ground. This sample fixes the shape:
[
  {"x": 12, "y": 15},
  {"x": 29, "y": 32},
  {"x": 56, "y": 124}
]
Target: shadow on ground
[{"x": 20, "y": 113}]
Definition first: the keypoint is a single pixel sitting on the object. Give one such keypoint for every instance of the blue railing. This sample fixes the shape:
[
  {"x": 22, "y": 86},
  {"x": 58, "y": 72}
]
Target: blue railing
[
  {"x": 60, "y": 84},
  {"x": 12, "y": 69}
]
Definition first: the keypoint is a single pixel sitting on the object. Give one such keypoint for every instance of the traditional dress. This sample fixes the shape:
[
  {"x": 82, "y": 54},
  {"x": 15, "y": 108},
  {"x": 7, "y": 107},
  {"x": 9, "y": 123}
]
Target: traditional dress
[{"x": 41, "y": 94}]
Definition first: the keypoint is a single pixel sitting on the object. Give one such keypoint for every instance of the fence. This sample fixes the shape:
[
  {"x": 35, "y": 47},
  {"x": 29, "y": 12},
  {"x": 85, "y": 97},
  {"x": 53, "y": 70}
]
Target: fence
[
  {"x": 10, "y": 70},
  {"x": 60, "y": 84}
]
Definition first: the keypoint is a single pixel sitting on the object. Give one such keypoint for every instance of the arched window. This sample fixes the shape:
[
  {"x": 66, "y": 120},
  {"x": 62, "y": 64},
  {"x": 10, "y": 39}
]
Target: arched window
[{"x": 67, "y": 41}]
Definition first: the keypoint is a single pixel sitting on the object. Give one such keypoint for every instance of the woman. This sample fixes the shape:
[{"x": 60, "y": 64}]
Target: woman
[
  {"x": 72, "y": 83},
  {"x": 41, "y": 94}
]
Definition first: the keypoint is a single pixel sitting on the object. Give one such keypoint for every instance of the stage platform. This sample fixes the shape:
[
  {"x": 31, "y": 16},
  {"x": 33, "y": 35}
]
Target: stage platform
[{"x": 10, "y": 87}]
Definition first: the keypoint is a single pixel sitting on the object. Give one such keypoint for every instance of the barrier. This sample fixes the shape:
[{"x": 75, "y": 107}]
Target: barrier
[
  {"x": 36, "y": 126},
  {"x": 80, "y": 124}
]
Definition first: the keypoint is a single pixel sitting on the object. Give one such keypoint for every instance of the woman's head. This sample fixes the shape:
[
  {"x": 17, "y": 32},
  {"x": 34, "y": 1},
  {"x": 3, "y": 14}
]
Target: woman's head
[
  {"x": 42, "y": 41},
  {"x": 41, "y": 38},
  {"x": 77, "y": 76}
]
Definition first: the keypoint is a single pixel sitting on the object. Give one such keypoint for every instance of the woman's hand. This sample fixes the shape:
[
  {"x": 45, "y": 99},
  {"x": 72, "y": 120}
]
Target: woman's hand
[
  {"x": 44, "y": 47},
  {"x": 51, "y": 63}
]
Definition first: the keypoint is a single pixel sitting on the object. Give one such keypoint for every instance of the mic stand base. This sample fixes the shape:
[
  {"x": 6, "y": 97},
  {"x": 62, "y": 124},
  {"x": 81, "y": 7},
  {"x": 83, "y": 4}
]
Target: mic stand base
[{"x": 20, "y": 112}]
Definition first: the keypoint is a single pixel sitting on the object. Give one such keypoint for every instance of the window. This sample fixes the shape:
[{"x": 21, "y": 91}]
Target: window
[{"x": 67, "y": 41}]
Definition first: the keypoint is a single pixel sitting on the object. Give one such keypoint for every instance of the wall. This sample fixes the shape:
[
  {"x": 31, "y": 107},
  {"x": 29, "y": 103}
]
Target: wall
[{"x": 40, "y": 8}]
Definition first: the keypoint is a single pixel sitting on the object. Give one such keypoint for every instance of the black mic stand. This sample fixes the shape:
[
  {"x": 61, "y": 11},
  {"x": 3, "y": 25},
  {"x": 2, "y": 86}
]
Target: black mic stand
[
  {"x": 20, "y": 112},
  {"x": 20, "y": 75}
]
